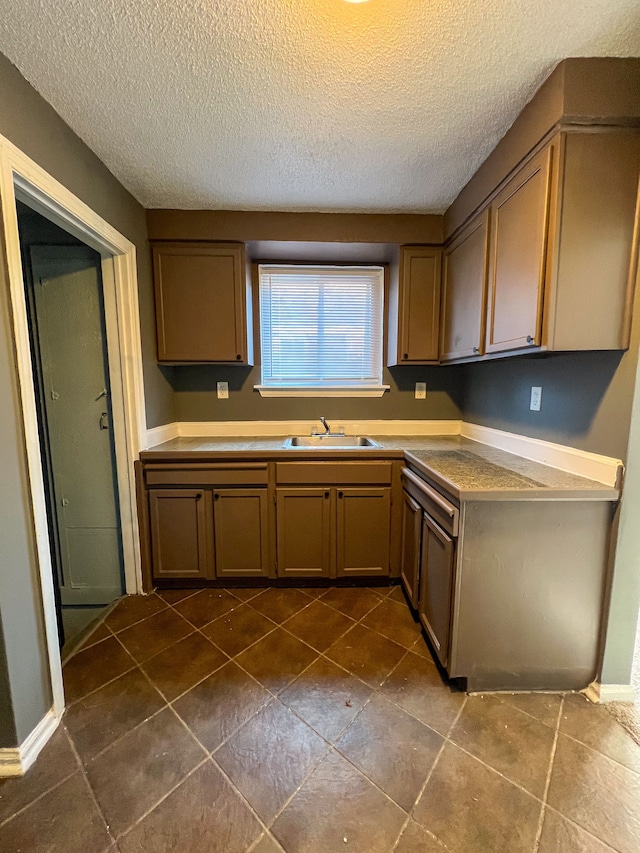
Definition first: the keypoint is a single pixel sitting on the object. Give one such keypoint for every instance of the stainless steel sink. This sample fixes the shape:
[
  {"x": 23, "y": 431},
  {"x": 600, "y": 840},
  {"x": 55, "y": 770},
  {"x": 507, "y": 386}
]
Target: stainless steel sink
[{"x": 330, "y": 441}]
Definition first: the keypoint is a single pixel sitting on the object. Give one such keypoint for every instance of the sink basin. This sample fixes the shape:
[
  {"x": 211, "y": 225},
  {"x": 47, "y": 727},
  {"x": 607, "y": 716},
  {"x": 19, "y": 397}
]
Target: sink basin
[{"x": 329, "y": 441}]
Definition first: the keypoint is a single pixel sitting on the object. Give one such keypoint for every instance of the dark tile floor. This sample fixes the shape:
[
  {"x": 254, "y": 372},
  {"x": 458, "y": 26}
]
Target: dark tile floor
[{"x": 309, "y": 721}]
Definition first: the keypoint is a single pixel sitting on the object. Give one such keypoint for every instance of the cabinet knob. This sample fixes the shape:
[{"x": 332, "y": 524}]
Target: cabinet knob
[
  {"x": 326, "y": 494},
  {"x": 216, "y": 496},
  {"x": 198, "y": 496},
  {"x": 530, "y": 340},
  {"x": 406, "y": 355},
  {"x": 340, "y": 494},
  {"x": 476, "y": 350},
  {"x": 238, "y": 357}
]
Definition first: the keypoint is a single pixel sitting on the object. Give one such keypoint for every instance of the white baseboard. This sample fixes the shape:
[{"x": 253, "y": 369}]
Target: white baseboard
[
  {"x": 209, "y": 429},
  {"x": 604, "y": 469},
  {"x": 16, "y": 762},
  {"x": 599, "y": 693},
  {"x": 160, "y": 434}
]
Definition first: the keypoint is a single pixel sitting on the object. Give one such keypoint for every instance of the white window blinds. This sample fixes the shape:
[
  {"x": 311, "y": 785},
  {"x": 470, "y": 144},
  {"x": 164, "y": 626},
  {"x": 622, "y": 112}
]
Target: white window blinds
[{"x": 321, "y": 327}]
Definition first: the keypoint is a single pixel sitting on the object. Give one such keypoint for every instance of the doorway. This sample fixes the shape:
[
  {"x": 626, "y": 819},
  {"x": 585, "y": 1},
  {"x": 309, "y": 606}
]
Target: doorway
[{"x": 65, "y": 310}]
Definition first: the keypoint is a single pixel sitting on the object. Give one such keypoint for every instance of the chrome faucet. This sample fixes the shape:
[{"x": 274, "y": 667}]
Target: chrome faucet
[{"x": 327, "y": 428}]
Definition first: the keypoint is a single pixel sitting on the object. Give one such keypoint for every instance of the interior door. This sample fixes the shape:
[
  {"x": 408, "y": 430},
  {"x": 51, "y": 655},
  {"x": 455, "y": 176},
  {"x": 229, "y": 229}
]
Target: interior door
[{"x": 74, "y": 381}]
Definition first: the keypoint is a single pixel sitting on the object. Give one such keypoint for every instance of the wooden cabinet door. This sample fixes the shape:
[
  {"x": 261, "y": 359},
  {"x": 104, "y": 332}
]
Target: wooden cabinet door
[
  {"x": 304, "y": 532},
  {"x": 464, "y": 292},
  {"x": 201, "y": 312},
  {"x": 241, "y": 533},
  {"x": 411, "y": 538},
  {"x": 517, "y": 266},
  {"x": 363, "y": 526},
  {"x": 419, "y": 304},
  {"x": 180, "y": 521},
  {"x": 436, "y": 585}
]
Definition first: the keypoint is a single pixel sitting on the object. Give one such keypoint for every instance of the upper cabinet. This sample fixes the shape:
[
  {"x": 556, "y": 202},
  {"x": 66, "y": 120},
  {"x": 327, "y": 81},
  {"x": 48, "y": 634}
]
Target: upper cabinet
[
  {"x": 560, "y": 262},
  {"x": 517, "y": 261},
  {"x": 202, "y": 303},
  {"x": 414, "y": 307},
  {"x": 464, "y": 291}
]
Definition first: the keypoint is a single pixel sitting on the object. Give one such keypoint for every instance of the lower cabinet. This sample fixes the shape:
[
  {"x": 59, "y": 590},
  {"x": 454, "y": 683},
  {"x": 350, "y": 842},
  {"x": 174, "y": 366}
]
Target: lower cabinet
[
  {"x": 207, "y": 534},
  {"x": 304, "y": 532},
  {"x": 363, "y": 521},
  {"x": 430, "y": 525},
  {"x": 411, "y": 540},
  {"x": 241, "y": 528},
  {"x": 333, "y": 532},
  {"x": 181, "y": 533},
  {"x": 437, "y": 563}
]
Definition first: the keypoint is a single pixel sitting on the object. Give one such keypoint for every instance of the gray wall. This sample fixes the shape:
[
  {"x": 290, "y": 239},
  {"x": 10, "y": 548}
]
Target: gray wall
[
  {"x": 20, "y": 602},
  {"x": 34, "y": 127},
  {"x": 196, "y": 400},
  {"x": 586, "y": 398}
]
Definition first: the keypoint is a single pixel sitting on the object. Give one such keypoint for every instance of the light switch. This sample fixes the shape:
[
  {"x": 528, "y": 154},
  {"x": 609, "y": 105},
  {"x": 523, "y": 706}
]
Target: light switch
[
  {"x": 421, "y": 390},
  {"x": 223, "y": 390},
  {"x": 536, "y": 398}
]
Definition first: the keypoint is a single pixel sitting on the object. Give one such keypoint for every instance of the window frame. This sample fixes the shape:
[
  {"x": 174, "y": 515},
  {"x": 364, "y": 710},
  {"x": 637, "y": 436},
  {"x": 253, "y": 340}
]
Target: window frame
[{"x": 338, "y": 390}]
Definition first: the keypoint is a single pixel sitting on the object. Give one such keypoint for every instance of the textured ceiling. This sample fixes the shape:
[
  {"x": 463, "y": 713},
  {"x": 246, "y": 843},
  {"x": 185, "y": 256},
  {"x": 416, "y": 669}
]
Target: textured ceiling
[{"x": 389, "y": 105}]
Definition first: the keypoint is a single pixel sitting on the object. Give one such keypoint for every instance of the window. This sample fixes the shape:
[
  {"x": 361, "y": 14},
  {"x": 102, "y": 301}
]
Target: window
[{"x": 321, "y": 330}]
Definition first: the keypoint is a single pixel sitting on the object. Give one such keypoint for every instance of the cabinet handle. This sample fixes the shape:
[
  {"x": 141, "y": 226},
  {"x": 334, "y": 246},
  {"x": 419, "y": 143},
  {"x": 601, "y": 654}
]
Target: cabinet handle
[
  {"x": 530, "y": 340},
  {"x": 476, "y": 350},
  {"x": 215, "y": 496},
  {"x": 238, "y": 358},
  {"x": 198, "y": 496},
  {"x": 340, "y": 494},
  {"x": 406, "y": 355},
  {"x": 326, "y": 494}
]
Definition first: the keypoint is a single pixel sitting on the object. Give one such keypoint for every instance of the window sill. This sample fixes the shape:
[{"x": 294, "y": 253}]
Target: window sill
[{"x": 296, "y": 391}]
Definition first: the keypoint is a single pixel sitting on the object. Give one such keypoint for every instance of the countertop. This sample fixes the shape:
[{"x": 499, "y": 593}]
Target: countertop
[{"x": 465, "y": 469}]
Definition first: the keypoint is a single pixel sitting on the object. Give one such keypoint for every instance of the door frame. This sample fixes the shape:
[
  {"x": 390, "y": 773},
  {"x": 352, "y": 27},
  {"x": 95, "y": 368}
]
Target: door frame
[{"x": 21, "y": 178}]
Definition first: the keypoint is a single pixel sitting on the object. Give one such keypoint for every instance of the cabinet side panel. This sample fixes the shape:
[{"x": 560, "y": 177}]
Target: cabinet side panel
[
  {"x": 530, "y": 594},
  {"x": 596, "y": 249}
]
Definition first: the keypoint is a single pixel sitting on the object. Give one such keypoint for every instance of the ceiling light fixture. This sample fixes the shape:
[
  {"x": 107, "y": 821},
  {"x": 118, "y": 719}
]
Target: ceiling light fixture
[{"x": 356, "y": 1}]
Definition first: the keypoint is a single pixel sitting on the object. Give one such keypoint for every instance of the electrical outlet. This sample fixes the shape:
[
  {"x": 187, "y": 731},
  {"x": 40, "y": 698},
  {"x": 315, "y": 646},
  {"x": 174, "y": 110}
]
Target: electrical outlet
[
  {"x": 536, "y": 398},
  {"x": 421, "y": 390},
  {"x": 223, "y": 390}
]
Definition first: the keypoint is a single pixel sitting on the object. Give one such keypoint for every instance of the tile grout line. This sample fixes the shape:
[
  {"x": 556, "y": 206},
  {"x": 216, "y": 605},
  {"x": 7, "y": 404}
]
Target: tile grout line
[
  {"x": 45, "y": 792},
  {"x": 541, "y": 818},
  {"x": 445, "y": 740},
  {"x": 133, "y": 728},
  {"x": 209, "y": 757},
  {"x": 582, "y": 829},
  {"x": 165, "y": 796},
  {"x": 93, "y": 795}
]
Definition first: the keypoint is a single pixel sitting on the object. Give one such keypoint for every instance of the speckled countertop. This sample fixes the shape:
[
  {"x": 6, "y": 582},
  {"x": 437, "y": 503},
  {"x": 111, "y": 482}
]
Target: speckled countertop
[{"x": 466, "y": 470}]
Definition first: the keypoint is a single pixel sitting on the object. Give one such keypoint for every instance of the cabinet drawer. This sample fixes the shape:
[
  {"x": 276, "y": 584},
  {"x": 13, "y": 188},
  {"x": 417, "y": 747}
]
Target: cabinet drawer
[
  {"x": 208, "y": 475},
  {"x": 432, "y": 502},
  {"x": 333, "y": 473}
]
